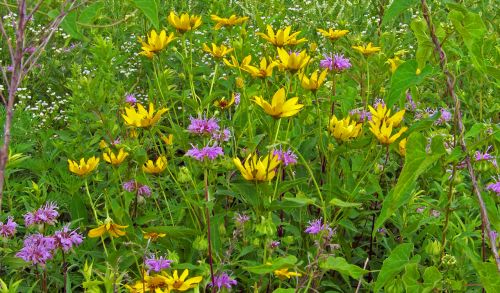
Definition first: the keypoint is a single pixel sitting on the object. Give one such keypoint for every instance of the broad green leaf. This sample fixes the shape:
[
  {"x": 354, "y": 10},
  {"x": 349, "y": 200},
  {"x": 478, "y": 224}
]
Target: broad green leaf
[
  {"x": 394, "y": 264},
  {"x": 340, "y": 265},
  {"x": 411, "y": 278},
  {"x": 417, "y": 161},
  {"x": 472, "y": 29},
  {"x": 150, "y": 10},
  {"x": 432, "y": 278},
  {"x": 344, "y": 204},
  {"x": 488, "y": 274},
  {"x": 89, "y": 14},
  {"x": 396, "y": 8},
  {"x": 279, "y": 263},
  {"x": 68, "y": 24},
  {"x": 425, "y": 46},
  {"x": 283, "y": 290},
  {"x": 291, "y": 203},
  {"x": 405, "y": 77}
]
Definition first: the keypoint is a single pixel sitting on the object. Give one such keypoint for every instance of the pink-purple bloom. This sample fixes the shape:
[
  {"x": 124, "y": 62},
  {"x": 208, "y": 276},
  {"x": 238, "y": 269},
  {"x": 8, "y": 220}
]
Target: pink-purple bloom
[
  {"x": 144, "y": 190},
  {"x": 130, "y": 186},
  {"x": 46, "y": 214},
  {"x": 410, "y": 103},
  {"x": 210, "y": 152},
  {"x": 66, "y": 238},
  {"x": 131, "y": 99},
  {"x": 486, "y": 156},
  {"x": 224, "y": 280},
  {"x": 360, "y": 115},
  {"x": 495, "y": 187},
  {"x": 445, "y": 117},
  {"x": 9, "y": 228},
  {"x": 203, "y": 126},
  {"x": 37, "y": 249},
  {"x": 286, "y": 157},
  {"x": 222, "y": 135},
  {"x": 317, "y": 226},
  {"x": 134, "y": 186},
  {"x": 237, "y": 99},
  {"x": 157, "y": 264},
  {"x": 337, "y": 63},
  {"x": 241, "y": 218}
]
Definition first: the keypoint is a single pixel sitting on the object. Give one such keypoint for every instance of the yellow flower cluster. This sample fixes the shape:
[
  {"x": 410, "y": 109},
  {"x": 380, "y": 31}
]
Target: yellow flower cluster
[
  {"x": 258, "y": 169},
  {"x": 165, "y": 283},
  {"x": 382, "y": 124},
  {"x": 345, "y": 129}
]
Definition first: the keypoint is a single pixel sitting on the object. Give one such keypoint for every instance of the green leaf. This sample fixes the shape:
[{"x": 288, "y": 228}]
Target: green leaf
[
  {"x": 432, "y": 278},
  {"x": 291, "y": 203},
  {"x": 424, "y": 41},
  {"x": 396, "y": 8},
  {"x": 340, "y": 265},
  {"x": 472, "y": 29},
  {"x": 411, "y": 278},
  {"x": 89, "y": 14},
  {"x": 417, "y": 161},
  {"x": 150, "y": 10},
  {"x": 394, "y": 264},
  {"x": 68, "y": 24},
  {"x": 283, "y": 290},
  {"x": 488, "y": 274},
  {"x": 405, "y": 77},
  {"x": 279, "y": 263},
  {"x": 344, "y": 204}
]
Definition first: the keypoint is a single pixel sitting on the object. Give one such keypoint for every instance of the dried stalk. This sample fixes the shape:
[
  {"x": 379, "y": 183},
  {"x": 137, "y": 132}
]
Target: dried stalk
[{"x": 450, "y": 83}]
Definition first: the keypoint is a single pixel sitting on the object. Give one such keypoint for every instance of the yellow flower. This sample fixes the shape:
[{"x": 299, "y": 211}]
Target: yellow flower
[
  {"x": 344, "y": 129},
  {"x": 217, "y": 52},
  {"x": 177, "y": 283},
  {"x": 103, "y": 144},
  {"x": 368, "y": 50},
  {"x": 168, "y": 139},
  {"x": 384, "y": 114},
  {"x": 223, "y": 103},
  {"x": 231, "y": 21},
  {"x": 265, "y": 68},
  {"x": 332, "y": 34},
  {"x": 314, "y": 82},
  {"x": 282, "y": 37},
  {"x": 402, "y": 147},
  {"x": 383, "y": 131},
  {"x": 113, "y": 229},
  {"x": 234, "y": 62},
  {"x": 157, "y": 167},
  {"x": 153, "y": 235},
  {"x": 240, "y": 82},
  {"x": 156, "y": 283},
  {"x": 113, "y": 159},
  {"x": 185, "y": 22},
  {"x": 279, "y": 107},
  {"x": 285, "y": 274},
  {"x": 83, "y": 168},
  {"x": 155, "y": 43},
  {"x": 293, "y": 61},
  {"x": 141, "y": 117},
  {"x": 394, "y": 62},
  {"x": 258, "y": 169}
]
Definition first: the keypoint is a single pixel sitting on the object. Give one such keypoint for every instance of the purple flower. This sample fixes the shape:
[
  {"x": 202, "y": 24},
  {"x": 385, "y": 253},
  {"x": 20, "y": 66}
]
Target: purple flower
[
  {"x": 130, "y": 186},
  {"x": 340, "y": 63},
  {"x": 37, "y": 249},
  {"x": 241, "y": 218},
  {"x": 286, "y": 157},
  {"x": 210, "y": 152},
  {"x": 9, "y": 228},
  {"x": 131, "y": 99},
  {"x": 144, "y": 190},
  {"x": 411, "y": 104},
  {"x": 486, "y": 156},
  {"x": 10, "y": 68},
  {"x": 360, "y": 115},
  {"x": 493, "y": 236},
  {"x": 237, "y": 99},
  {"x": 157, "y": 264},
  {"x": 117, "y": 141},
  {"x": 46, "y": 214},
  {"x": 30, "y": 50},
  {"x": 317, "y": 226},
  {"x": 66, "y": 239},
  {"x": 224, "y": 280},
  {"x": 275, "y": 244},
  {"x": 203, "y": 126},
  {"x": 327, "y": 62},
  {"x": 495, "y": 187},
  {"x": 445, "y": 117},
  {"x": 223, "y": 135},
  {"x": 378, "y": 102}
]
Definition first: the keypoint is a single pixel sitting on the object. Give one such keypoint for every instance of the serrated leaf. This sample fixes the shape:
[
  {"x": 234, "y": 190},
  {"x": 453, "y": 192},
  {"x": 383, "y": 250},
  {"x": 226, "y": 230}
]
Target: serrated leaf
[
  {"x": 150, "y": 10},
  {"x": 432, "y": 277},
  {"x": 411, "y": 278},
  {"x": 340, "y": 265},
  {"x": 394, "y": 264},
  {"x": 396, "y": 8},
  {"x": 417, "y": 161}
]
